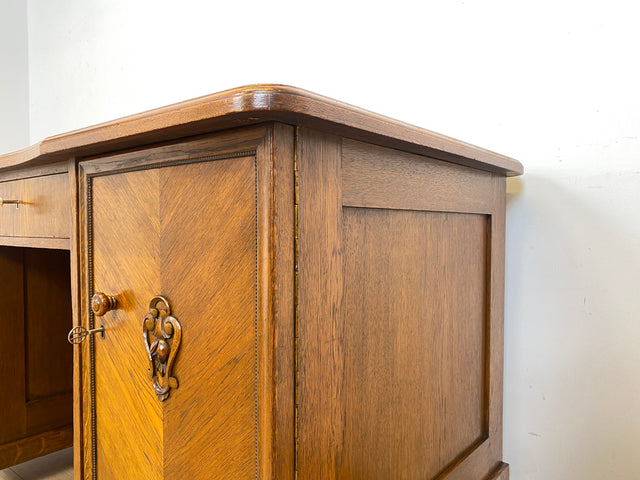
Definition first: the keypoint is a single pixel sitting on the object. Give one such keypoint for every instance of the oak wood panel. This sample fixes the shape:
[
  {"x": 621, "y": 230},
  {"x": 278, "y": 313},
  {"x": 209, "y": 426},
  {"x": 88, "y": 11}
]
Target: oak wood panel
[
  {"x": 489, "y": 453},
  {"x": 214, "y": 296},
  {"x": 31, "y": 242},
  {"x": 335, "y": 403},
  {"x": 12, "y": 347},
  {"x": 414, "y": 341},
  {"x": 28, "y": 448},
  {"x": 320, "y": 329},
  {"x": 193, "y": 148},
  {"x": 210, "y": 426},
  {"x": 35, "y": 362},
  {"x": 31, "y": 171},
  {"x": 49, "y": 357},
  {"x": 192, "y": 151},
  {"x": 378, "y": 177},
  {"x": 46, "y": 212},
  {"x": 52, "y": 412},
  {"x": 76, "y": 274},
  {"x": 276, "y": 213},
  {"x": 256, "y": 104},
  {"x": 306, "y": 401}
]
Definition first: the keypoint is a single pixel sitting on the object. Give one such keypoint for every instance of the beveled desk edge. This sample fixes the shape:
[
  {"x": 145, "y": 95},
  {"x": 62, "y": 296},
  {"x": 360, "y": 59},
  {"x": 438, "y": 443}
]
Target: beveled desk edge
[{"x": 255, "y": 104}]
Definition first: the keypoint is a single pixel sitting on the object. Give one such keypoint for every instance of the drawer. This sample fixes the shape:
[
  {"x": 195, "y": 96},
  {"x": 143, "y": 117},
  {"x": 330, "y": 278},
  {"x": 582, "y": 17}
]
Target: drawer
[{"x": 44, "y": 211}]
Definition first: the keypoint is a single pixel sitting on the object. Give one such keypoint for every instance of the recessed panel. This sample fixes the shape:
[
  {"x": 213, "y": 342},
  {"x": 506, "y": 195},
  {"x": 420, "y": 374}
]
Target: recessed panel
[{"x": 415, "y": 326}]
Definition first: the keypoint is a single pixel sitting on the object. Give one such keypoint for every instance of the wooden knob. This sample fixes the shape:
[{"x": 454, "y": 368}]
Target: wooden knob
[{"x": 102, "y": 303}]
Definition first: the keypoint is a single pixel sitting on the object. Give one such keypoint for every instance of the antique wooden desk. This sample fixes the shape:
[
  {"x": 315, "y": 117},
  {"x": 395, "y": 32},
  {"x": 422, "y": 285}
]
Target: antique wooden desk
[{"x": 264, "y": 283}]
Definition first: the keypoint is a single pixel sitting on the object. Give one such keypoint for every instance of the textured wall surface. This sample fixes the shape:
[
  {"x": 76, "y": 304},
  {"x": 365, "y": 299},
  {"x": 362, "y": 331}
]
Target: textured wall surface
[{"x": 14, "y": 75}]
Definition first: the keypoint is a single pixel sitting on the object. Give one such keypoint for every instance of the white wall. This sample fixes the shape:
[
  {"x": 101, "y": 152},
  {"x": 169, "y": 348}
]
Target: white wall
[
  {"x": 551, "y": 83},
  {"x": 14, "y": 76}
]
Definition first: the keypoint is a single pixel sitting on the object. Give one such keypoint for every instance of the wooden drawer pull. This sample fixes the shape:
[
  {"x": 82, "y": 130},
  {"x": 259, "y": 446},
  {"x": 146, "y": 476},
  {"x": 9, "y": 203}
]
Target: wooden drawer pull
[{"x": 162, "y": 334}]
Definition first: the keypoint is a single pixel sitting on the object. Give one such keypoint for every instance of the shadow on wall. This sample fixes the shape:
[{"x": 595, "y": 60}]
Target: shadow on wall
[{"x": 572, "y": 329}]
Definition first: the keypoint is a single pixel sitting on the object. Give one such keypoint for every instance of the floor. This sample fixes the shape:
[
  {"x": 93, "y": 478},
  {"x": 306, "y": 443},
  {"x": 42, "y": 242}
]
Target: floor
[{"x": 56, "y": 466}]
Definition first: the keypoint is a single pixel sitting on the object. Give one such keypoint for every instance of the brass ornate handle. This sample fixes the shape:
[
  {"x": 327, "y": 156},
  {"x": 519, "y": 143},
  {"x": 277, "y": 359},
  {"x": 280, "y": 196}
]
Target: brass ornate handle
[
  {"x": 9, "y": 202},
  {"x": 102, "y": 303},
  {"x": 162, "y": 334}
]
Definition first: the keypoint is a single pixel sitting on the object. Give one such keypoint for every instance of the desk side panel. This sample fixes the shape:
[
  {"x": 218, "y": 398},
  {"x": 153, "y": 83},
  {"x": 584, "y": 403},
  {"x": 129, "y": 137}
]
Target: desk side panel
[{"x": 399, "y": 348}]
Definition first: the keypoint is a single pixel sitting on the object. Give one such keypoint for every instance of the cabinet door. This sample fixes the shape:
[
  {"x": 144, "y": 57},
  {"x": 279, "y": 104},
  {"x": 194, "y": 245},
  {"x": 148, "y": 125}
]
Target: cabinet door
[{"x": 185, "y": 231}]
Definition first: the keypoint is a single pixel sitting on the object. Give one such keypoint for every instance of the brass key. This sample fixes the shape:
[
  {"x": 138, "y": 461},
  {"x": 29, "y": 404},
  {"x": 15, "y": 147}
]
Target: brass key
[{"x": 79, "y": 334}]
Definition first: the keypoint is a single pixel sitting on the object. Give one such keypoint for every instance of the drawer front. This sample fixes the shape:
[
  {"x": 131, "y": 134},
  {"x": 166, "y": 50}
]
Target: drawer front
[{"x": 44, "y": 211}]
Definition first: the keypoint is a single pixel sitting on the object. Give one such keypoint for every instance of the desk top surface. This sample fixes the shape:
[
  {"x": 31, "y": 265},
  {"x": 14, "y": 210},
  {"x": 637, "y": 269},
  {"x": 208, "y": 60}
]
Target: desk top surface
[{"x": 252, "y": 105}]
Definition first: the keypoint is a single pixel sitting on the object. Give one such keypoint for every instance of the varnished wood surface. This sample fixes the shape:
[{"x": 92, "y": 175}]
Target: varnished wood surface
[
  {"x": 319, "y": 325},
  {"x": 399, "y": 344},
  {"x": 28, "y": 448},
  {"x": 46, "y": 209},
  {"x": 305, "y": 352},
  {"x": 276, "y": 241},
  {"x": 410, "y": 181},
  {"x": 208, "y": 426},
  {"x": 255, "y": 104},
  {"x": 12, "y": 346},
  {"x": 35, "y": 360},
  {"x": 414, "y": 341},
  {"x": 48, "y": 319}
]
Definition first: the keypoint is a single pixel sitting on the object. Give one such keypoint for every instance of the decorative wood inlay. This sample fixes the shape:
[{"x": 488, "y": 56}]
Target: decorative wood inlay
[{"x": 162, "y": 335}]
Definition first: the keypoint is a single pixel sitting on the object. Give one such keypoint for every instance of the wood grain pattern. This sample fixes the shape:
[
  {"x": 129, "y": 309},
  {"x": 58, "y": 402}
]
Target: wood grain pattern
[
  {"x": 276, "y": 334},
  {"x": 48, "y": 243},
  {"x": 398, "y": 316},
  {"x": 12, "y": 347},
  {"x": 32, "y": 171},
  {"x": 48, "y": 319},
  {"x": 202, "y": 289},
  {"x": 35, "y": 361},
  {"x": 45, "y": 212},
  {"x": 339, "y": 282},
  {"x": 320, "y": 327},
  {"x": 211, "y": 418},
  {"x": 35, "y": 446},
  {"x": 78, "y": 451},
  {"x": 377, "y": 177},
  {"x": 258, "y": 104},
  {"x": 414, "y": 341}
]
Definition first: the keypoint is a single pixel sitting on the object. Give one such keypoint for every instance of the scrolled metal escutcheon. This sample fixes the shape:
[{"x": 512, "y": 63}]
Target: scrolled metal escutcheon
[{"x": 162, "y": 334}]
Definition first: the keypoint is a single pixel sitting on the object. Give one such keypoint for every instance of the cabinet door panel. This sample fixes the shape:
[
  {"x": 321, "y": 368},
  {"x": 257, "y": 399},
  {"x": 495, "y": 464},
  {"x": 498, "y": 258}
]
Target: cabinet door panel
[{"x": 186, "y": 232}]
